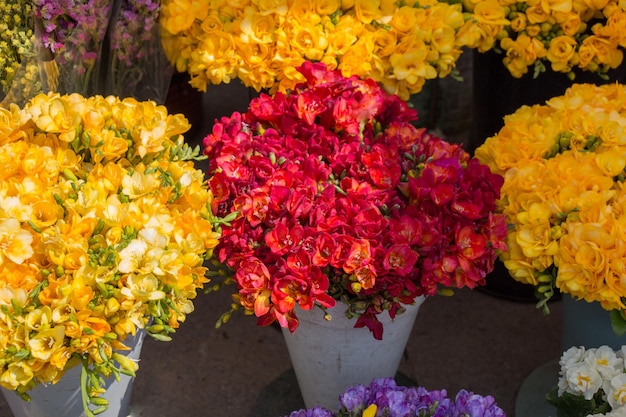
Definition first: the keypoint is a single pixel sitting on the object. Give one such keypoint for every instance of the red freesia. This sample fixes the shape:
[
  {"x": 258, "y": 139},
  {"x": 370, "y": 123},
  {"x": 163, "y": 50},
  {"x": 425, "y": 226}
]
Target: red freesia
[{"x": 336, "y": 196}]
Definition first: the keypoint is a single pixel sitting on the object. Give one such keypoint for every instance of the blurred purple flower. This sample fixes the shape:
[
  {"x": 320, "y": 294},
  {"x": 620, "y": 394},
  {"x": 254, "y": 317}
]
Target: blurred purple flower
[
  {"x": 313, "y": 412},
  {"x": 394, "y": 401}
]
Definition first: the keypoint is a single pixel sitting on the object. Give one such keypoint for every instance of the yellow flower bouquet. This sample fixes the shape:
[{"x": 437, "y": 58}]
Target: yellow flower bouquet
[
  {"x": 564, "y": 195},
  {"x": 19, "y": 73},
  {"x": 105, "y": 224},
  {"x": 399, "y": 44},
  {"x": 564, "y": 34}
]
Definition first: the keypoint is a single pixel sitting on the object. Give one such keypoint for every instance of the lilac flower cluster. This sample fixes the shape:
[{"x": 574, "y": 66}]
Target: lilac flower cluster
[
  {"x": 133, "y": 26},
  {"x": 137, "y": 64},
  {"x": 395, "y": 401},
  {"x": 72, "y": 33}
]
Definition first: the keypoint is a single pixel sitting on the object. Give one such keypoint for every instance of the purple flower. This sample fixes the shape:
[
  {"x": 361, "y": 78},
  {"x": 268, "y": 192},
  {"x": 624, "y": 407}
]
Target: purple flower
[
  {"x": 354, "y": 398},
  {"x": 473, "y": 405},
  {"x": 313, "y": 412},
  {"x": 394, "y": 401},
  {"x": 73, "y": 32},
  {"x": 137, "y": 63}
]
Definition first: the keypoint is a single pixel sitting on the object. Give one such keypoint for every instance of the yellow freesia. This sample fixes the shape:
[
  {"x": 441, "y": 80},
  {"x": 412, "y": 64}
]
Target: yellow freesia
[
  {"x": 565, "y": 200},
  {"x": 46, "y": 342},
  {"x": 262, "y": 43},
  {"x": 15, "y": 242},
  {"x": 100, "y": 233}
]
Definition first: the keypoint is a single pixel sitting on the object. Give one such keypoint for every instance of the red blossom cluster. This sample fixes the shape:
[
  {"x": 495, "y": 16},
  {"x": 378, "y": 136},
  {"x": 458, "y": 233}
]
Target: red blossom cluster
[{"x": 340, "y": 197}]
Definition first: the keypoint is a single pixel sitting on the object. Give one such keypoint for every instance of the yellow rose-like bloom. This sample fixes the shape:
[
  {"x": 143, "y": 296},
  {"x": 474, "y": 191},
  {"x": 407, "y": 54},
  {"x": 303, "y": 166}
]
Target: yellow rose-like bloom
[
  {"x": 583, "y": 258},
  {"x": 612, "y": 162},
  {"x": 367, "y": 10},
  {"x": 566, "y": 205},
  {"x": 519, "y": 267},
  {"x": 179, "y": 15},
  {"x": 404, "y": 20},
  {"x": 537, "y": 13},
  {"x": 560, "y": 53},
  {"x": 257, "y": 28},
  {"x": 327, "y": 7},
  {"x": 570, "y": 23},
  {"x": 534, "y": 231},
  {"x": 604, "y": 51},
  {"x": 263, "y": 43},
  {"x": 489, "y": 12},
  {"x": 521, "y": 53},
  {"x": 412, "y": 66}
]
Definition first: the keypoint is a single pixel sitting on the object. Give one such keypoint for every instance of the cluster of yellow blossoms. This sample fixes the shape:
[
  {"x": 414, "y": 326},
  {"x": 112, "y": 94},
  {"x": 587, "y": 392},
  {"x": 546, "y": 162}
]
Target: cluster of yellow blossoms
[
  {"x": 262, "y": 42},
  {"x": 105, "y": 224},
  {"x": 564, "y": 193},
  {"x": 17, "y": 55},
  {"x": 565, "y": 34}
]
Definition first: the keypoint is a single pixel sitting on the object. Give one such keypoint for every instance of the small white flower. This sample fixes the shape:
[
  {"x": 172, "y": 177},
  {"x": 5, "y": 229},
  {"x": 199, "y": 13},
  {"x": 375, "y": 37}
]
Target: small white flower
[
  {"x": 616, "y": 391},
  {"x": 582, "y": 379},
  {"x": 605, "y": 361},
  {"x": 571, "y": 356}
]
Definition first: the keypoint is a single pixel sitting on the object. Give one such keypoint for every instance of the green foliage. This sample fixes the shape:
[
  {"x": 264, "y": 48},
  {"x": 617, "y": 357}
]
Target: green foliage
[{"x": 570, "y": 405}]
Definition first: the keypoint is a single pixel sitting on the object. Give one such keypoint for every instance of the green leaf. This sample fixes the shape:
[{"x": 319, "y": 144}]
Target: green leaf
[
  {"x": 618, "y": 322},
  {"x": 570, "y": 405}
]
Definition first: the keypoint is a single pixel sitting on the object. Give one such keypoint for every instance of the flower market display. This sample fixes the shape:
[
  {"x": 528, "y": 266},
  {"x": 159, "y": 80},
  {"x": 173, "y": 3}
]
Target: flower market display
[
  {"x": 399, "y": 44},
  {"x": 562, "y": 35},
  {"x": 17, "y": 53},
  {"x": 383, "y": 397},
  {"x": 72, "y": 34},
  {"x": 105, "y": 225},
  {"x": 592, "y": 382},
  {"x": 333, "y": 195},
  {"x": 563, "y": 195}
]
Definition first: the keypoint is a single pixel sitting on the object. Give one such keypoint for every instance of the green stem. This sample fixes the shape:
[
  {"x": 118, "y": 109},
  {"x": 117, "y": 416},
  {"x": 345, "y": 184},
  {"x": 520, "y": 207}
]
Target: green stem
[{"x": 83, "y": 390}]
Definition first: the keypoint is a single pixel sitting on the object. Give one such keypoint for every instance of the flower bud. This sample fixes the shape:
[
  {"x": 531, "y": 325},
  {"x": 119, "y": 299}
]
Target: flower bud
[{"x": 126, "y": 363}]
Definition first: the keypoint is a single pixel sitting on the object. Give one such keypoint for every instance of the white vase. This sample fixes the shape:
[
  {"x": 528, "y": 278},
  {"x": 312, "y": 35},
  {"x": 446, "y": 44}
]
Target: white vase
[
  {"x": 330, "y": 356},
  {"x": 63, "y": 399}
]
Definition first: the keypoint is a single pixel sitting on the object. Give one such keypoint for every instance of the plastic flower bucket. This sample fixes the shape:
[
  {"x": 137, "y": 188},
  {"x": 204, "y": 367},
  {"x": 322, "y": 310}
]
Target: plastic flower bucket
[
  {"x": 330, "y": 356},
  {"x": 63, "y": 399}
]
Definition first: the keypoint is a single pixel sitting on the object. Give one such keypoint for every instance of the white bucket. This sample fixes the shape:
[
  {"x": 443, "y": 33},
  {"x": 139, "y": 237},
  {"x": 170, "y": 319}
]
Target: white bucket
[
  {"x": 330, "y": 356},
  {"x": 63, "y": 399}
]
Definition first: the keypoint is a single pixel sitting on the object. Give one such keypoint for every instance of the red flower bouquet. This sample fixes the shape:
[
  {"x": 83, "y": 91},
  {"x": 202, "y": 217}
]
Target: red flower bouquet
[{"x": 333, "y": 195}]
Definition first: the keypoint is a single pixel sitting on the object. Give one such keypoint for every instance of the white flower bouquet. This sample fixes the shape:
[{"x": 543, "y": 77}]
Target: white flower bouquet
[{"x": 592, "y": 382}]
